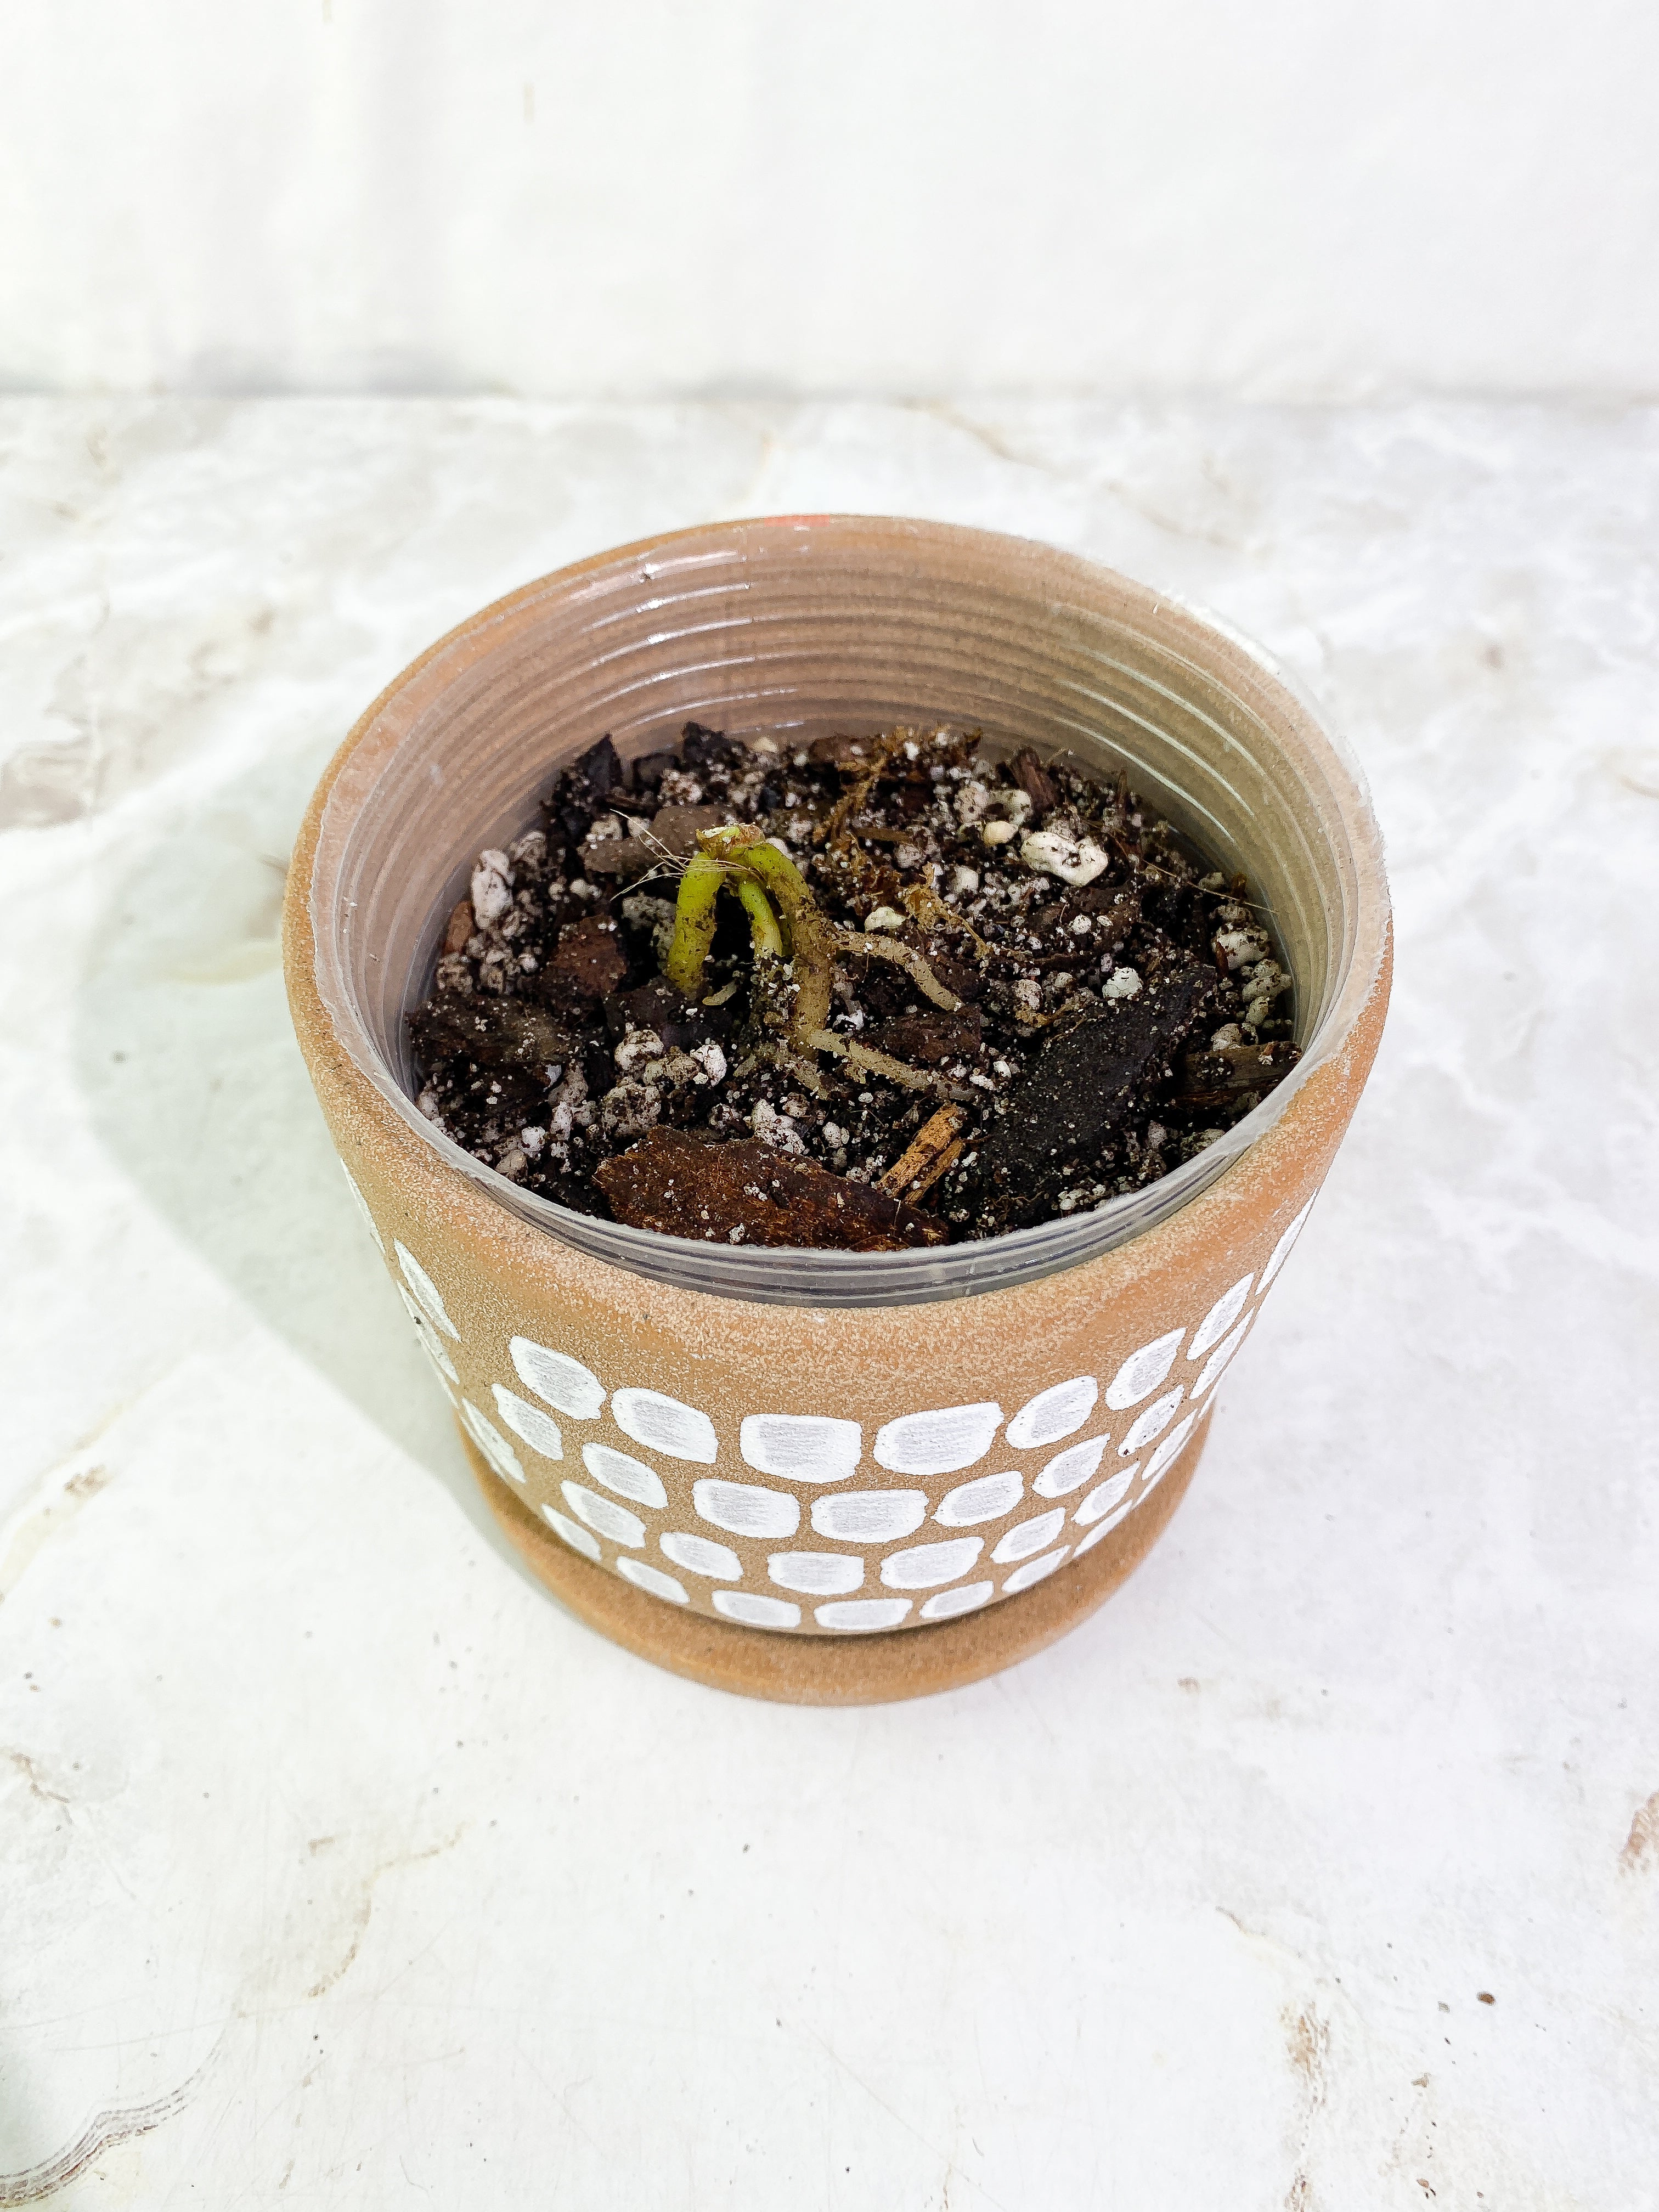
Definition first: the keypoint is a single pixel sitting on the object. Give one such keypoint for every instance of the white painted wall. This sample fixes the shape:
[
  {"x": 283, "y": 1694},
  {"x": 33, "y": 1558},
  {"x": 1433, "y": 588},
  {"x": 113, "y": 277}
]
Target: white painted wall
[{"x": 1284, "y": 197}]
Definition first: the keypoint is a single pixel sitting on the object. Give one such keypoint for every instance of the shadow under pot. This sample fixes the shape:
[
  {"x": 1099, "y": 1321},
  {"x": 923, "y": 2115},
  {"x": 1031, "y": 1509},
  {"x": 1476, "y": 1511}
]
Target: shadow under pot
[{"x": 830, "y": 1476}]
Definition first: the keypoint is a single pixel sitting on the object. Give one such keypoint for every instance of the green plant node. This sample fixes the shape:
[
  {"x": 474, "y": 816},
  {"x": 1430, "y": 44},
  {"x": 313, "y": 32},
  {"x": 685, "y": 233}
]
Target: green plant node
[
  {"x": 694, "y": 923},
  {"x": 783, "y": 918},
  {"x": 725, "y": 862},
  {"x": 763, "y": 922}
]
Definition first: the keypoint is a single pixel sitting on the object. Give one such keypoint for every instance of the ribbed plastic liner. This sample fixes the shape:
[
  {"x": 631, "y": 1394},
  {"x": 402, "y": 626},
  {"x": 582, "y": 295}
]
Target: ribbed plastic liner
[{"x": 808, "y": 625}]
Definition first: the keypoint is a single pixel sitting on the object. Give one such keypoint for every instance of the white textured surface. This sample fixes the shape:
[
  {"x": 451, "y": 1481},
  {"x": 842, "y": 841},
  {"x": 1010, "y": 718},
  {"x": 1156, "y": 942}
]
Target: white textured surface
[
  {"x": 1288, "y": 199},
  {"x": 347, "y": 1869}
]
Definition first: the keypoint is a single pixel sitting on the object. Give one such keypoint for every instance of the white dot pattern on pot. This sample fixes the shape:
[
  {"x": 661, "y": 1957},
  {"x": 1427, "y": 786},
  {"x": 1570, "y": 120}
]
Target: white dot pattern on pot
[
  {"x": 1066, "y": 1471},
  {"x": 945, "y": 1605},
  {"x": 604, "y": 1515},
  {"x": 801, "y": 1447},
  {"x": 362, "y": 1208},
  {"x": 1167, "y": 1453},
  {"x": 864, "y": 1528},
  {"x": 1104, "y": 1496},
  {"x": 565, "y": 1383},
  {"x": 1142, "y": 1372},
  {"x": 1153, "y": 1421},
  {"x": 645, "y": 1577},
  {"x": 925, "y": 1567},
  {"x": 817, "y": 1574},
  {"x": 870, "y": 1516},
  {"x": 862, "y": 1614},
  {"x": 664, "y": 1425},
  {"x": 1220, "y": 1318},
  {"x": 1282, "y": 1250},
  {"x": 628, "y": 1477},
  {"x": 425, "y": 1290},
  {"x": 988, "y": 1498},
  {"x": 1218, "y": 1359},
  {"x": 942, "y": 1442},
  {"x": 1028, "y": 1536},
  {"x": 492, "y": 1443},
  {"x": 756, "y": 1612},
  {"x": 1104, "y": 1528},
  {"x": 528, "y": 1423},
  {"x": 1034, "y": 1570},
  {"x": 744, "y": 1511},
  {"x": 429, "y": 1339},
  {"x": 700, "y": 1555},
  {"x": 579, "y": 1539},
  {"x": 1053, "y": 1413}
]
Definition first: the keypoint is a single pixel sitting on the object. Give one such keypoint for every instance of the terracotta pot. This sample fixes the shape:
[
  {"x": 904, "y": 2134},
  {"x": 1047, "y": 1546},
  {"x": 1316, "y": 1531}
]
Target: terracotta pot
[{"x": 829, "y": 1476}]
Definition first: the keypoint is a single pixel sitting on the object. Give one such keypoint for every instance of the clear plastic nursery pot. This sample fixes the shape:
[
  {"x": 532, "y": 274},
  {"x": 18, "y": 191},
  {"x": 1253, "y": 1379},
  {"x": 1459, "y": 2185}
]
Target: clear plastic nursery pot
[{"x": 813, "y": 1475}]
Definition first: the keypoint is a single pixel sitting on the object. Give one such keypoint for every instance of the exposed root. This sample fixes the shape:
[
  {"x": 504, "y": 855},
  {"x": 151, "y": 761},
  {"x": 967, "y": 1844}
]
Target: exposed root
[
  {"x": 794, "y": 1065},
  {"x": 883, "y": 1063},
  {"x": 924, "y": 904},
  {"x": 847, "y": 807},
  {"x": 867, "y": 946}
]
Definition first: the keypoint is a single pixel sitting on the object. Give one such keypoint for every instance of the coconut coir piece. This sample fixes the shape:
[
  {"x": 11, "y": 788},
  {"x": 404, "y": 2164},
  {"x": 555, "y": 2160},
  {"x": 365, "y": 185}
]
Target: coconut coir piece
[{"x": 743, "y": 1193}]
